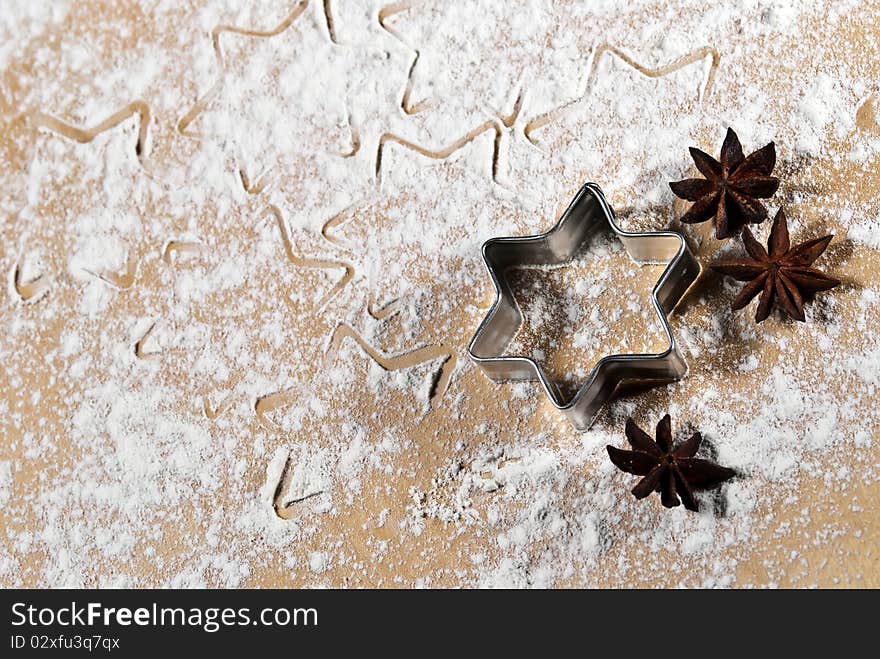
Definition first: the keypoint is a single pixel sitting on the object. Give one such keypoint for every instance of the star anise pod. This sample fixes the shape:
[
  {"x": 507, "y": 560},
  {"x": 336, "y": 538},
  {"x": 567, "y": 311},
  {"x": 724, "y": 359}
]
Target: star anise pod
[
  {"x": 674, "y": 472},
  {"x": 780, "y": 271},
  {"x": 732, "y": 187}
]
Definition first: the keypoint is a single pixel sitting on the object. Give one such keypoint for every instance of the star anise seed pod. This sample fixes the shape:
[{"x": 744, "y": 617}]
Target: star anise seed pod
[
  {"x": 781, "y": 271},
  {"x": 674, "y": 472},
  {"x": 732, "y": 187}
]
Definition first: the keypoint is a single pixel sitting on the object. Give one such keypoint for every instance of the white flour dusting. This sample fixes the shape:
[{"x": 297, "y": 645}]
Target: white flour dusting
[{"x": 234, "y": 326}]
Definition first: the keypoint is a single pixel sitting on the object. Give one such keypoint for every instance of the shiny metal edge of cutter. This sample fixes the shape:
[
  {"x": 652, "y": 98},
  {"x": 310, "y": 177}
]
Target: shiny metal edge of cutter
[{"x": 588, "y": 212}]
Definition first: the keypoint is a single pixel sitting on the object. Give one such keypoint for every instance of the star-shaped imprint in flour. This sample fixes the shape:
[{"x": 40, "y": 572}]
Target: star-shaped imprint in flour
[
  {"x": 81, "y": 226},
  {"x": 468, "y": 54},
  {"x": 625, "y": 100},
  {"x": 283, "y": 91},
  {"x": 506, "y": 127},
  {"x": 414, "y": 251},
  {"x": 419, "y": 237},
  {"x": 588, "y": 213}
]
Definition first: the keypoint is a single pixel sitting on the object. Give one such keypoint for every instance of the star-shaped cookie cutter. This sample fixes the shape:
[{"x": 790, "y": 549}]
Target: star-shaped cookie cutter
[{"x": 587, "y": 213}]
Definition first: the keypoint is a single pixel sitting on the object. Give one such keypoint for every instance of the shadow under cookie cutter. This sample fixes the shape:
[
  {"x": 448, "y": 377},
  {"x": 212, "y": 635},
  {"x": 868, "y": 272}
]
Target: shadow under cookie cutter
[{"x": 586, "y": 214}]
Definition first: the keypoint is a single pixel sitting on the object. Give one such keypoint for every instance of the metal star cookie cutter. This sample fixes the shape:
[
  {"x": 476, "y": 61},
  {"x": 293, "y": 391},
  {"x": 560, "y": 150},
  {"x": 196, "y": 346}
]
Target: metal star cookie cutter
[{"x": 587, "y": 213}]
